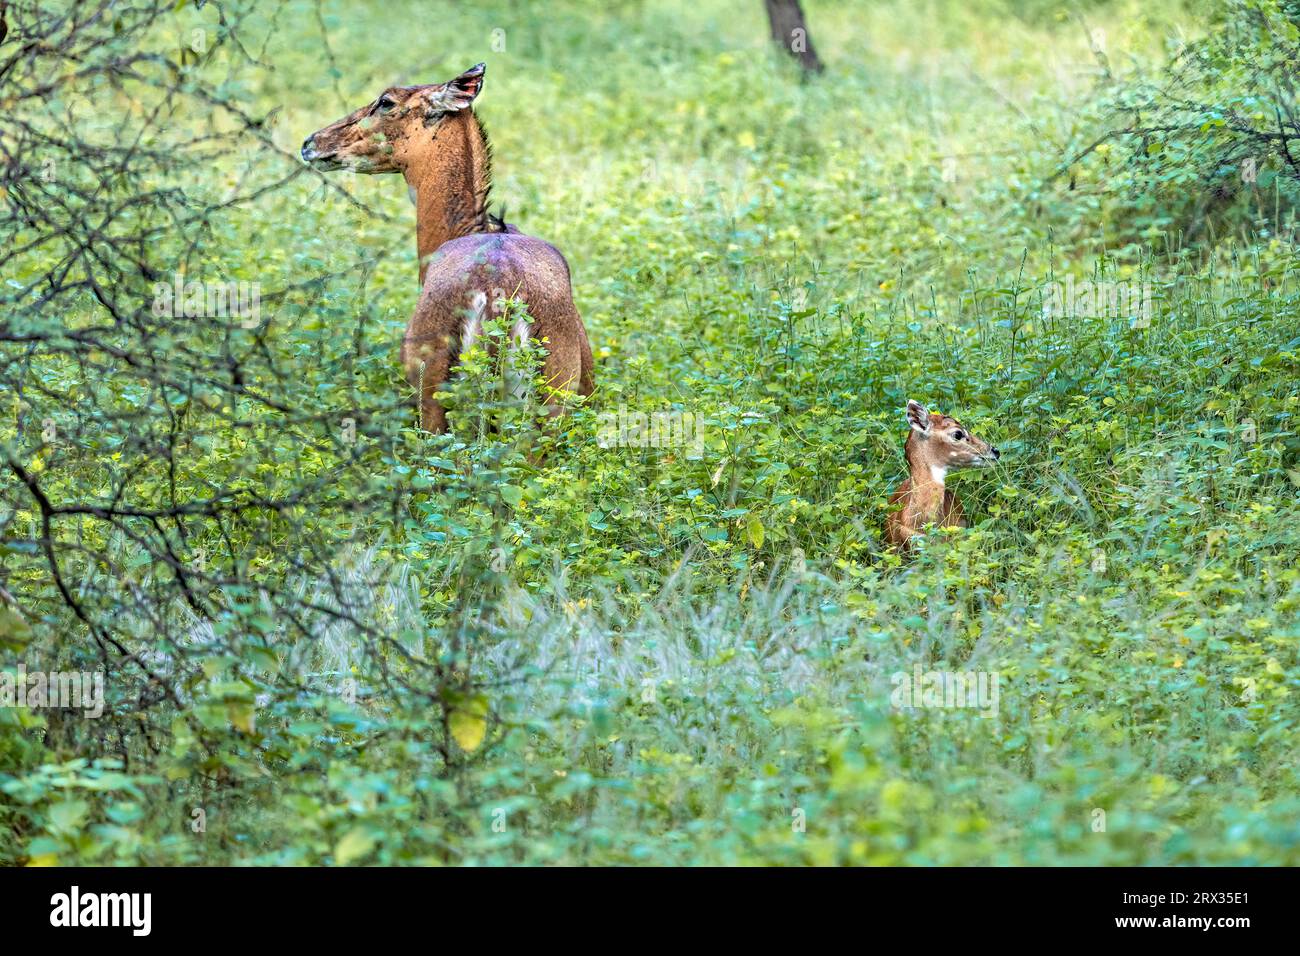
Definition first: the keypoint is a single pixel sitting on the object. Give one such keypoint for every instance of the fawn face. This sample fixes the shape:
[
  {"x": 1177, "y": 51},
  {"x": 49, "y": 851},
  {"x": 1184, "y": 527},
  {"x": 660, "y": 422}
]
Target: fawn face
[
  {"x": 379, "y": 137},
  {"x": 940, "y": 443}
]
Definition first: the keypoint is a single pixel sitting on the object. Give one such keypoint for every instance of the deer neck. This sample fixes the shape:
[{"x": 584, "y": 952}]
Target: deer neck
[
  {"x": 925, "y": 502},
  {"x": 448, "y": 181}
]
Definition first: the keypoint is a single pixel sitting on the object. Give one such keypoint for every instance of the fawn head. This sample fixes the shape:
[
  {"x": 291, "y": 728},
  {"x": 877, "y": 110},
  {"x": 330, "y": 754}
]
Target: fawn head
[
  {"x": 379, "y": 137},
  {"x": 939, "y": 444}
]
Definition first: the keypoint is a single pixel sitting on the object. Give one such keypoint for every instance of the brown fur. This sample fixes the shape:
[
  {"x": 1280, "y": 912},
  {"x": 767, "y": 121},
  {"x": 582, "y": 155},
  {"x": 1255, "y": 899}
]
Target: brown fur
[
  {"x": 932, "y": 450},
  {"x": 469, "y": 260}
]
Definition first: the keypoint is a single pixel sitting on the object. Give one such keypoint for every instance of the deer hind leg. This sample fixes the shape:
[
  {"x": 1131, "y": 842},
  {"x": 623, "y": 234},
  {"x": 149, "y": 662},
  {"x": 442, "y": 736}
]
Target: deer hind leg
[
  {"x": 427, "y": 363},
  {"x": 562, "y": 370}
]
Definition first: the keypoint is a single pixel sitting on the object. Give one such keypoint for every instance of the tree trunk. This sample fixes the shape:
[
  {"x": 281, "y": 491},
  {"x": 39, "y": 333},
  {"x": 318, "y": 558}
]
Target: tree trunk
[{"x": 790, "y": 32}]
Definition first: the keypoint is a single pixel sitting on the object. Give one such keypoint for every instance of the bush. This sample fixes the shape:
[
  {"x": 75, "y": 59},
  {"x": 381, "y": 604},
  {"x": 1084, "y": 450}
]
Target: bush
[{"x": 1204, "y": 147}]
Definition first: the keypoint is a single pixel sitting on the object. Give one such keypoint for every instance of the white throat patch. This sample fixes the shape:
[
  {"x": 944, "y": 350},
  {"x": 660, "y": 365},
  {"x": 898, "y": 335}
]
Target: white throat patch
[{"x": 938, "y": 473}]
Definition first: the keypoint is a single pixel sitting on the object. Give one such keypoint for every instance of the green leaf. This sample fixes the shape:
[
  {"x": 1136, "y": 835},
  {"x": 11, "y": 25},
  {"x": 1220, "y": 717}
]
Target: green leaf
[
  {"x": 468, "y": 722},
  {"x": 14, "y": 631},
  {"x": 69, "y": 815},
  {"x": 355, "y": 845}
]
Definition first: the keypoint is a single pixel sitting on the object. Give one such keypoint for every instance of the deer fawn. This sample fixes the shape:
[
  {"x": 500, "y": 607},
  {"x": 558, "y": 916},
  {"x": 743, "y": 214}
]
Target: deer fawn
[
  {"x": 470, "y": 260},
  {"x": 936, "y": 445}
]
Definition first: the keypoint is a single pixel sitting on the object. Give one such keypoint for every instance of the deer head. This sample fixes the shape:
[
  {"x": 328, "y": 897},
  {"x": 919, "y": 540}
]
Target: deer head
[
  {"x": 382, "y": 136},
  {"x": 939, "y": 444}
]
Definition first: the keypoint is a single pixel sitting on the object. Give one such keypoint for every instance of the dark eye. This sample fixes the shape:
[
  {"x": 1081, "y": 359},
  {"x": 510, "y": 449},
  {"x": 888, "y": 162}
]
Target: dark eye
[
  {"x": 959, "y": 435},
  {"x": 386, "y": 103}
]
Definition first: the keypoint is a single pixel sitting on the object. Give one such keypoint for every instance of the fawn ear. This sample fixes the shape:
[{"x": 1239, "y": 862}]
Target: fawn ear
[
  {"x": 459, "y": 93},
  {"x": 918, "y": 417}
]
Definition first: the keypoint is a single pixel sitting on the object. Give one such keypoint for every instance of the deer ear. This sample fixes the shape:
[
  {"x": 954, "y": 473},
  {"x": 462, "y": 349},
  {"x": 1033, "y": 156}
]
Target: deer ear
[
  {"x": 918, "y": 417},
  {"x": 459, "y": 93}
]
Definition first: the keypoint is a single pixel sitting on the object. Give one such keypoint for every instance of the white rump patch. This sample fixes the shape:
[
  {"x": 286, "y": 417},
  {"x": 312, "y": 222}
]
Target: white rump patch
[
  {"x": 481, "y": 308},
  {"x": 519, "y": 332},
  {"x": 473, "y": 327},
  {"x": 519, "y": 384}
]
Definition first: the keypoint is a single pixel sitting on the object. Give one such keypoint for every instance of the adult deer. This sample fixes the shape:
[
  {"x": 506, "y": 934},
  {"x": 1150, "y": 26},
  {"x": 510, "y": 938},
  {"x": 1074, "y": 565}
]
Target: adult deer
[
  {"x": 470, "y": 261},
  {"x": 936, "y": 445}
]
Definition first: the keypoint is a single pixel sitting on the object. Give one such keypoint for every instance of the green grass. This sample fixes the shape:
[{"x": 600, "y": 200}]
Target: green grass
[{"x": 681, "y": 657}]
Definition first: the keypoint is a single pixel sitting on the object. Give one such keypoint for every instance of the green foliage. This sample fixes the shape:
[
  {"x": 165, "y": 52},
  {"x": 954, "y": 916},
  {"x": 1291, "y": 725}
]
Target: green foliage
[
  {"x": 520, "y": 643},
  {"x": 1203, "y": 145}
]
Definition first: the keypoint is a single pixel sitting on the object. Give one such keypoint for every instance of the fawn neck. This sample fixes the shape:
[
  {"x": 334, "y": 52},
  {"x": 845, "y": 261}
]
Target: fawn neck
[
  {"x": 927, "y": 475},
  {"x": 449, "y": 180}
]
